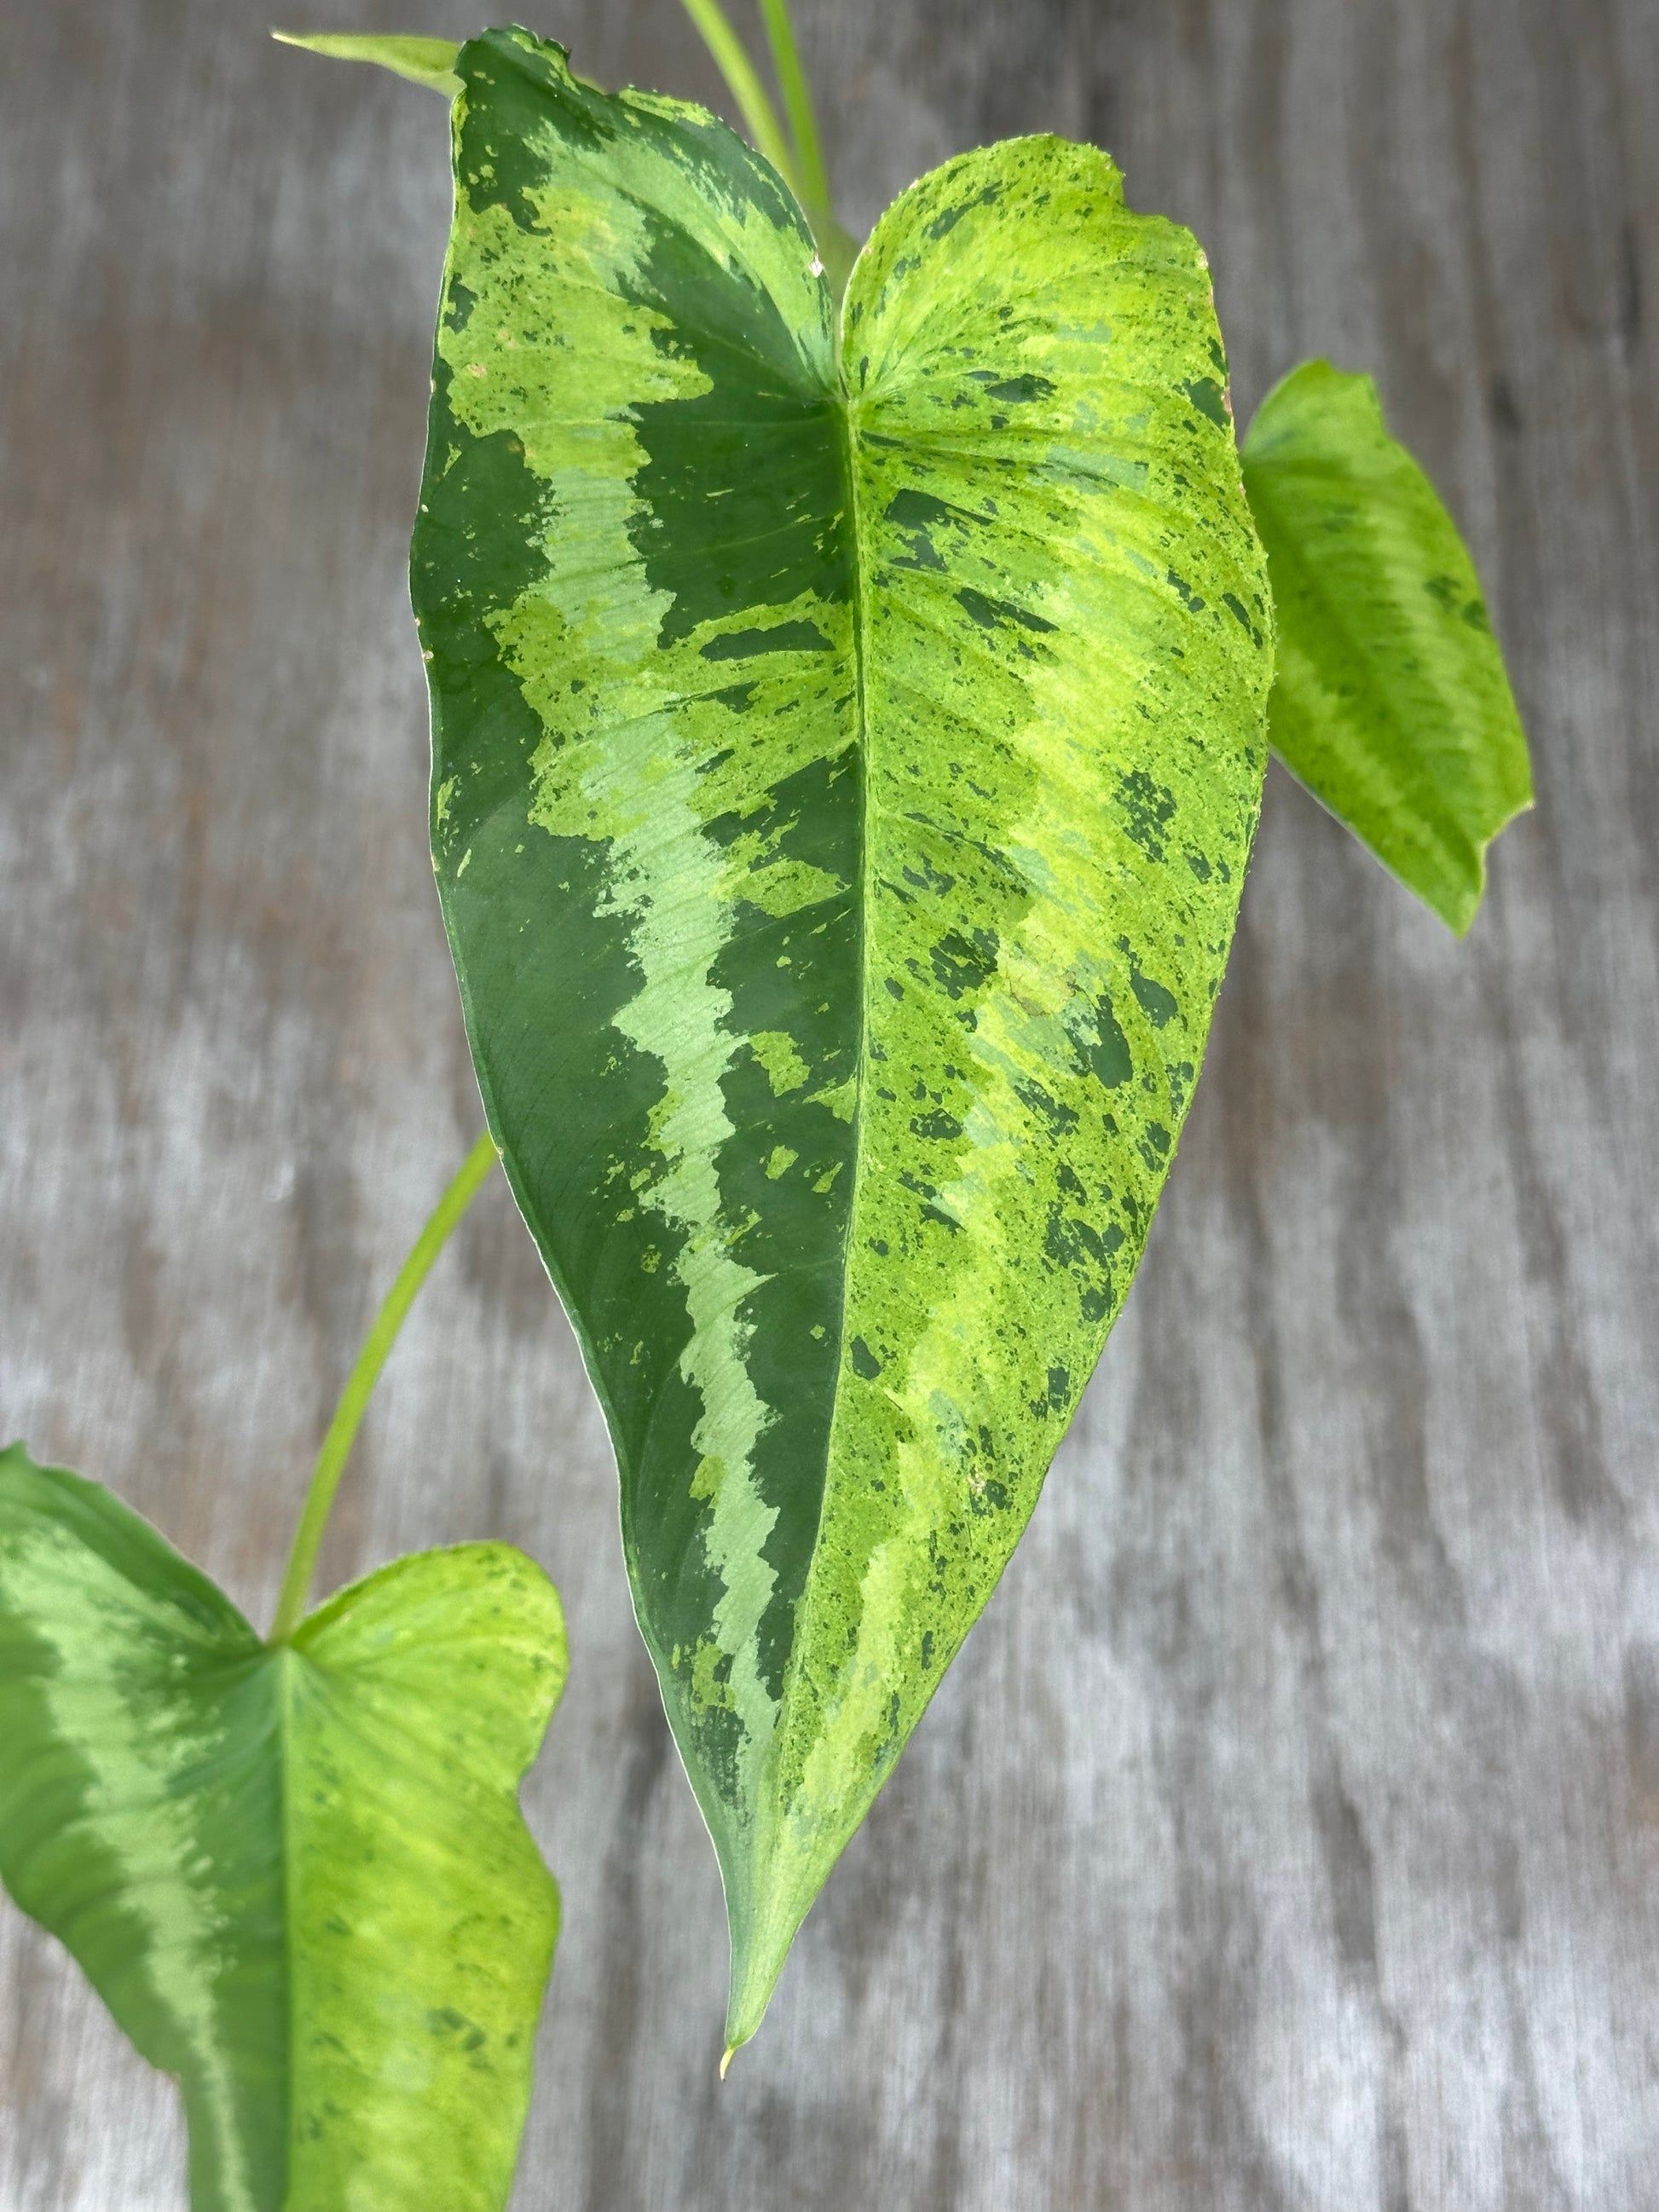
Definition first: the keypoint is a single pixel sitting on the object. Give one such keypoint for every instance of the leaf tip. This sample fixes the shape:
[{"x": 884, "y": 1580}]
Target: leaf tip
[
  {"x": 755, "y": 1970},
  {"x": 430, "y": 62},
  {"x": 726, "y": 2056},
  {"x": 1459, "y": 913}
]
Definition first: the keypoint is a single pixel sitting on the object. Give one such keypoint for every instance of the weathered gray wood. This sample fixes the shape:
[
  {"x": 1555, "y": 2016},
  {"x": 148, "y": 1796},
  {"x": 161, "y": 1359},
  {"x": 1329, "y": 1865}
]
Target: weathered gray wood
[{"x": 1288, "y": 1834}]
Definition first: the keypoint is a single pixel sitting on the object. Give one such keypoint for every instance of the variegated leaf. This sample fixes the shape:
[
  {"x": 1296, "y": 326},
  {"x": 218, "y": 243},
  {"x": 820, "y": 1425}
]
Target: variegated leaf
[
  {"x": 1391, "y": 702},
  {"x": 847, "y": 743},
  {"x": 297, "y": 1874}
]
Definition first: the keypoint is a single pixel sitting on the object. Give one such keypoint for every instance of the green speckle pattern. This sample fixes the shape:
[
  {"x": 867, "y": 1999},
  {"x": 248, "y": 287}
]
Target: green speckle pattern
[
  {"x": 1391, "y": 702},
  {"x": 298, "y": 1877},
  {"x": 888, "y": 706}
]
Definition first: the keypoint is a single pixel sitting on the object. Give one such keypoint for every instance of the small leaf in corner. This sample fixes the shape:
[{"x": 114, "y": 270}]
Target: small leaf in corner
[
  {"x": 297, "y": 1874},
  {"x": 429, "y": 62}
]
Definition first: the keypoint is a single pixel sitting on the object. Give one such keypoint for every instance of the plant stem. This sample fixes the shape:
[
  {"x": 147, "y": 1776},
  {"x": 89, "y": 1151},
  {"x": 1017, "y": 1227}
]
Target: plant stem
[
  {"x": 798, "y": 106},
  {"x": 735, "y": 66},
  {"x": 469, "y": 1179}
]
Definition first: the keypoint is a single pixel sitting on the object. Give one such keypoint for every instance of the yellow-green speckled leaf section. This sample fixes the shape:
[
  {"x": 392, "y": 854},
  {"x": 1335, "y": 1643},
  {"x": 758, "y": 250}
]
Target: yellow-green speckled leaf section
[
  {"x": 298, "y": 1877},
  {"x": 845, "y": 765},
  {"x": 1391, "y": 701}
]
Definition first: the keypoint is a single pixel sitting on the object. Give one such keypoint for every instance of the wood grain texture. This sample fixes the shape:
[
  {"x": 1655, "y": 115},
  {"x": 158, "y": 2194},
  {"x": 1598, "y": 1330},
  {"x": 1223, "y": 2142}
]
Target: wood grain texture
[{"x": 1287, "y": 1835}]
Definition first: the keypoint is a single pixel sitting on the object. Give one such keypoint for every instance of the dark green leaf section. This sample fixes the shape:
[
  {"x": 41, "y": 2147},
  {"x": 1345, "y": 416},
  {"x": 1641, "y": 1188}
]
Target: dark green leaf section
[
  {"x": 298, "y": 1877},
  {"x": 1390, "y": 703},
  {"x": 847, "y": 747}
]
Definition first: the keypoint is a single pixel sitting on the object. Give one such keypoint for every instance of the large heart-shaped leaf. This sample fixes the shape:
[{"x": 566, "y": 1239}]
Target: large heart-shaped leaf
[
  {"x": 1391, "y": 704},
  {"x": 297, "y": 1876},
  {"x": 847, "y": 743}
]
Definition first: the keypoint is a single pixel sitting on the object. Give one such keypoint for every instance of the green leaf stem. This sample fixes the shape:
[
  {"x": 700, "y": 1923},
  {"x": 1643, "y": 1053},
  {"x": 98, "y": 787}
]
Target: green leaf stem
[
  {"x": 297, "y": 1874},
  {"x": 1391, "y": 704},
  {"x": 849, "y": 733}
]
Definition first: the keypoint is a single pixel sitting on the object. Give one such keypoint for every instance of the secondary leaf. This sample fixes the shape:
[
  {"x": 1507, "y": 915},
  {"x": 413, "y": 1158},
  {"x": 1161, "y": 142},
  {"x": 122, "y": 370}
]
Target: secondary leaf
[
  {"x": 430, "y": 62},
  {"x": 298, "y": 1877},
  {"x": 843, "y": 780},
  {"x": 1390, "y": 703}
]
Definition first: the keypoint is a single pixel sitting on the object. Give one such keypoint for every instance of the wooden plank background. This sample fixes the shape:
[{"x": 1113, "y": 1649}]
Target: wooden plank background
[{"x": 1287, "y": 1835}]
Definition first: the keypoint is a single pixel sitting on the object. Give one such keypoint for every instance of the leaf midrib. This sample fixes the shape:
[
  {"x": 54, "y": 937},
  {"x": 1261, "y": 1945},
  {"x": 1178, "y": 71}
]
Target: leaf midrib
[
  {"x": 860, "y": 666},
  {"x": 288, "y": 1660},
  {"x": 846, "y": 449}
]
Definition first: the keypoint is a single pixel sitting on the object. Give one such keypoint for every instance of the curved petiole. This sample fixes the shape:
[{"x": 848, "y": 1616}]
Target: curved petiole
[
  {"x": 747, "y": 88},
  {"x": 469, "y": 1179},
  {"x": 798, "y": 106}
]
